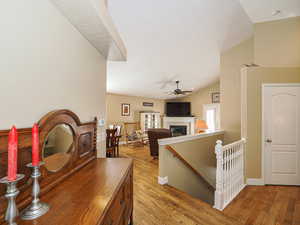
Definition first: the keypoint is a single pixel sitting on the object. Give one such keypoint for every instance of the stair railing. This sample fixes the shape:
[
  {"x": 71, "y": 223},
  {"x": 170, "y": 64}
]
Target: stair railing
[{"x": 230, "y": 174}]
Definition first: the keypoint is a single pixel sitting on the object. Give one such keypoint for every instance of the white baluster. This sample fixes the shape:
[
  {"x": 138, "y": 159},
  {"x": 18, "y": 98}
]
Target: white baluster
[
  {"x": 235, "y": 173},
  {"x": 241, "y": 175},
  {"x": 219, "y": 193},
  {"x": 242, "y": 162},
  {"x": 228, "y": 179},
  {"x": 227, "y": 174}
]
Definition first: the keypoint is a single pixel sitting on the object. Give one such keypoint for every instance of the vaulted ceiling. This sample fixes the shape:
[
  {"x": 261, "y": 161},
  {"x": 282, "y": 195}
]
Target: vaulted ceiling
[
  {"x": 267, "y": 10},
  {"x": 173, "y": 40}
]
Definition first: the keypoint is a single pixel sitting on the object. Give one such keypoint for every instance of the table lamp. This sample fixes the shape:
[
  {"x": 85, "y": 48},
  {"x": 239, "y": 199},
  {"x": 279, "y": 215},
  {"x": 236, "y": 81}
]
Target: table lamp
[{"x": 201, "y": 126}]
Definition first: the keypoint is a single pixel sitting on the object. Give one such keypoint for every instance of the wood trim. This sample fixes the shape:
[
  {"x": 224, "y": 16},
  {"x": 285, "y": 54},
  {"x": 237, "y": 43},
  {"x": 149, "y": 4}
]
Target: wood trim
[{"x": 178, "y": 156}]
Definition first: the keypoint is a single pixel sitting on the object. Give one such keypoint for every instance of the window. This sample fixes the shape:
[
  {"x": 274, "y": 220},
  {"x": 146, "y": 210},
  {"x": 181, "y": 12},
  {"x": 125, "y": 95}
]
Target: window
[
  {"x": 211, "y": 114},
  {"x": 211, "y": 119}
]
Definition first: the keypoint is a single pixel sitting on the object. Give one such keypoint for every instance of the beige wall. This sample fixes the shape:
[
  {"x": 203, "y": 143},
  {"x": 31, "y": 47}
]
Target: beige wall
[
  {"x": 230, "y": 84},
  {"x": 277, "y": 43},
  {"x": 201, "y": 97},
  {"x": 113, "y": 108},
  {"x": 46, "y": 64},
  {"x": 253, "y": 78}
]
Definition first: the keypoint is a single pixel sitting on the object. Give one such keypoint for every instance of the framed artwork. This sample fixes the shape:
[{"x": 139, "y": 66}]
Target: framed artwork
[
  {"x": 215, "y": 97},
  {"x": 148, "y": 104},
  {"x": 125, "y": 109}
]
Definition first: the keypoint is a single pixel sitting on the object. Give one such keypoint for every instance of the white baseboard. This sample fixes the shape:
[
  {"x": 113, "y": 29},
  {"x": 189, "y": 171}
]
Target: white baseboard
[
  {"x": 256, "y": 182},
  {"x": 162, "y": 180},
  {"x": 122, "y": 143}
]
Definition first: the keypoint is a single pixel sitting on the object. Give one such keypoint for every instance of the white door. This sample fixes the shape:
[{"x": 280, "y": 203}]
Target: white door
[{"x": 281, "y": 121}]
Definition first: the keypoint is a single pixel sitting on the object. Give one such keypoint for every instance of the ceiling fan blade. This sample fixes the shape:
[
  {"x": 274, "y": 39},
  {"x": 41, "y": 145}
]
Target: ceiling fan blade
[
  {"x": 186, "y": 92},
  {"x": 167, "y": 81},
  {"x": 169, "y": 92},
  {"x": 164, "y": 85}
]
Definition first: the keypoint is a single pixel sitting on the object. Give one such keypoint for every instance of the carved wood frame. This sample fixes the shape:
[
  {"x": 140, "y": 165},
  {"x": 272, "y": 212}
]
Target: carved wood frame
[{"x": 83, "y": 151}]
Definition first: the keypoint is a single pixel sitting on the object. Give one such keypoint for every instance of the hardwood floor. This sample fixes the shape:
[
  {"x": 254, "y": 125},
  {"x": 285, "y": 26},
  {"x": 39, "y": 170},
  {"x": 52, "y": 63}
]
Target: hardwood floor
[
  {"x": 163, "y": 205},
  {"x": 267, "y": 205}
]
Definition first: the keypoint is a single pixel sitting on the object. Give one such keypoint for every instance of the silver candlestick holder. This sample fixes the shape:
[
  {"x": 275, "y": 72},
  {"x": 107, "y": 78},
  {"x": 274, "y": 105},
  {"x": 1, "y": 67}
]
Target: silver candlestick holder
[
  {"x": 36, "y": 208},
  {"x": 11, "y": 194}
]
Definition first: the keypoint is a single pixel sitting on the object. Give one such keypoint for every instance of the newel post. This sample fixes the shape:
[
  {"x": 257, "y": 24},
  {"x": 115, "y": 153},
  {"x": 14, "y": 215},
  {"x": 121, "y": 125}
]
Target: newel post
[
  {"x": 243, "y": 159},
  {"x": 219, "y": 199}
]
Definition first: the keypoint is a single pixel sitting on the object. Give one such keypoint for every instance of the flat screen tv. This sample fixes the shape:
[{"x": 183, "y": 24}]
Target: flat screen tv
[{"x": 178, "y": 109}]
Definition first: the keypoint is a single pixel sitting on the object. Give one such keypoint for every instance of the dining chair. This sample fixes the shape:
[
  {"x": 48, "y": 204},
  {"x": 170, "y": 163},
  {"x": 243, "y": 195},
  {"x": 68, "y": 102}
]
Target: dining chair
[
  {"x": 118, "y": 137},
  {"x": 111, "y": 142}
]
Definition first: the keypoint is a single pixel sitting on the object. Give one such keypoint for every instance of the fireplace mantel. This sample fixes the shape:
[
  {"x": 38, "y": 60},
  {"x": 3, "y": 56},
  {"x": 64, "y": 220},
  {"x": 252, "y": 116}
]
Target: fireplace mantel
[{"x": 180, "y": 121}]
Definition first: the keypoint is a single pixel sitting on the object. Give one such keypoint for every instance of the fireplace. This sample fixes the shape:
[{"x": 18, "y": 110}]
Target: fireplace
[
  {"x": 178, "y": 130},
  {"x": 185, "y": 124}
]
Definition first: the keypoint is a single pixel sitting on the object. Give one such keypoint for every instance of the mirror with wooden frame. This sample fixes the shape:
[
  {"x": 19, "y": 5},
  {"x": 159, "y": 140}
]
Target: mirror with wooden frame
[{"x": 57, "y": 147}]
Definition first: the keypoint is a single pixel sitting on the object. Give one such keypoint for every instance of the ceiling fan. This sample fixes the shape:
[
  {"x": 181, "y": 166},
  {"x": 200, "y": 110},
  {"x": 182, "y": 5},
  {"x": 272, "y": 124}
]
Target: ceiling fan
[{"x": 178, "y": 91}]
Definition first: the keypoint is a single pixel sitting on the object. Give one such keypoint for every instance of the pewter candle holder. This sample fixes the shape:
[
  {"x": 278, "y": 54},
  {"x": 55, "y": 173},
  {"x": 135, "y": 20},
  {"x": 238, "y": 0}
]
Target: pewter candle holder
[
  {"x": 11, "y": 193},
  {"x": 36, "y": 208}
]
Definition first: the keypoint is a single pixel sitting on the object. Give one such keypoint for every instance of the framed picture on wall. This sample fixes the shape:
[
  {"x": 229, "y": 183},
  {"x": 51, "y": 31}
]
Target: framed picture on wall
[
  {"x": 148, "y": 104},
  {"x": 215, "y": 97},
  {"x": 125, "y": 109}
]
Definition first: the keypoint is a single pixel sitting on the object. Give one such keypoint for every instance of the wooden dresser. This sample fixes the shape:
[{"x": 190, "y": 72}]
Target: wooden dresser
[
  {"x": 80, "y": 189},
  {"x": 101, "y": 193}
]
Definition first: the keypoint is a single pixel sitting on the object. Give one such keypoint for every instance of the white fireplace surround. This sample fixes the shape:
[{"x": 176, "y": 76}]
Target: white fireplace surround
[{"x": 180, "y": 121}]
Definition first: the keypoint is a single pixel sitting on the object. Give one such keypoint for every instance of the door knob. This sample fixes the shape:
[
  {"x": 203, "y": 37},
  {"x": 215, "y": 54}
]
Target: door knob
[{"x": 269, "y": 140}]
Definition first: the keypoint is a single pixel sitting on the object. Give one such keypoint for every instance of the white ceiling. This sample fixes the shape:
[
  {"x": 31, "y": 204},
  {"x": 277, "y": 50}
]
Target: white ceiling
[
  {"x": 263, "y": 10},
  {"x": 173, "y": 39}
]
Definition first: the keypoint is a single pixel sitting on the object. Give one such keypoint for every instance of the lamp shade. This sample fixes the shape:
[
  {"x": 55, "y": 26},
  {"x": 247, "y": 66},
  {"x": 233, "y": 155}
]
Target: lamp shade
[{"x": 201, "y": 125}]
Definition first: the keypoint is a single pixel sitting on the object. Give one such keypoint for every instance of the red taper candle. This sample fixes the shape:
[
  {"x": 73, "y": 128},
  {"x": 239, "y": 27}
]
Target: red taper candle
[
  {"x": 12, "y": 154},
  {"x": 35, "y": 145}
]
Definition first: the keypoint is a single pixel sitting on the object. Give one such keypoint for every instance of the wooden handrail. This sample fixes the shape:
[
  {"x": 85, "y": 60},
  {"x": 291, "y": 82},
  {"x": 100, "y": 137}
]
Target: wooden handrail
[{"x": 178, "y": 156}]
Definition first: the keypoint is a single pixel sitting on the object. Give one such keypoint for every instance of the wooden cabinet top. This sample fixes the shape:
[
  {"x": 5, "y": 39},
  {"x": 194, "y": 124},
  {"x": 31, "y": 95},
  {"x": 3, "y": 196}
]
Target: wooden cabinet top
[{"x": 84, "y": 197}]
